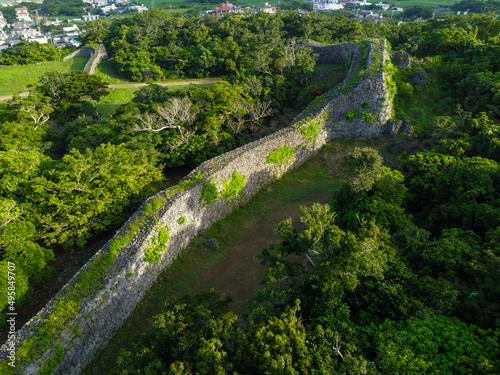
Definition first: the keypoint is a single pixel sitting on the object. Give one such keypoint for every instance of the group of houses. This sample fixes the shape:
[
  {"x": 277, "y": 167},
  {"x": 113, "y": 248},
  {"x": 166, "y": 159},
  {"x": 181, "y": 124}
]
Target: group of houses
[
  {"x": 27, "y": 25},
  {"x": 226, "y": 8},
  {"x": 27, "y": 29},
  {"x": 318, "y": 6}
]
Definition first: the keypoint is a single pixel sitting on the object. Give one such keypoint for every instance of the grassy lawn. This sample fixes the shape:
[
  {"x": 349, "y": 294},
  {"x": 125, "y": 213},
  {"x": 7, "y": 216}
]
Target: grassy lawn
[
  {"x": 231, "y": 268},
  {"x": 14, "y": 79},
  {"x": 107, "y": 72},
  {"x": 109, "y": 103},
  {"x": 430, "y": 3},
  {"x": 118, "y": 96}
]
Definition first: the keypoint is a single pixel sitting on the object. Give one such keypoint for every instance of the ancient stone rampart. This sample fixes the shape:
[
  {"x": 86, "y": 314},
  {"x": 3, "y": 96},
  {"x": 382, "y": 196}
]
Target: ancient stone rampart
[
  {"x": 95, "y": 55},
  {"x": 65, "y": 335},
  {"x": 96, "y": 58},
  {"x": 84, "y": 51}
]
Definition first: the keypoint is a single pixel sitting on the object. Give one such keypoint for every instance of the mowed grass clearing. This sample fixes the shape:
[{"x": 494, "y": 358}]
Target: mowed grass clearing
[
  {"x": 15, "y": 79},
  {"x": 231, "y": 268},
  {"x": 108, "y": 104}
]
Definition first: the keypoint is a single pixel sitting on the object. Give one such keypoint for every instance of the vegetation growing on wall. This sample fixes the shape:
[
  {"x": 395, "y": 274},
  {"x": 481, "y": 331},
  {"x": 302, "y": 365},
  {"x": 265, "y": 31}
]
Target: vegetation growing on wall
[
  {"x": 280, "y": 154},
  {"x": 209, "y": 193},
  {"x": 233, "y": 185},
  {"x": 158, "y": 244}
]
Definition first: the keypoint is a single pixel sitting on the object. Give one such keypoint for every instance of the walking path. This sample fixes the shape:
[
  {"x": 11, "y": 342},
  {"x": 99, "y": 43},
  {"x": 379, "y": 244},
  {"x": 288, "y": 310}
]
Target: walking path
[{"x": 137, "y": 85}]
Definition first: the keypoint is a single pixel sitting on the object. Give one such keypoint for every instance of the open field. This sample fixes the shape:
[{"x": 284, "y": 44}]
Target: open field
[
  {"x": 121, "y": 95},
  {"x": 14, "y": 79}
]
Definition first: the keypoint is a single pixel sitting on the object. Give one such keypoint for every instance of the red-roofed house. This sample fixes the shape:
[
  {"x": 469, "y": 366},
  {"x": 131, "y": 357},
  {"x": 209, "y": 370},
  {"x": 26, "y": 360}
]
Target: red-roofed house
[
  {"x": 22, "y": 14},
  {"x": 224, "y": 8}
]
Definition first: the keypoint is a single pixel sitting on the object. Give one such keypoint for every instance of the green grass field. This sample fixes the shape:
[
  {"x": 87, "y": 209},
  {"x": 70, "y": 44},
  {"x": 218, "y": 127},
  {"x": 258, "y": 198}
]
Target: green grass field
[
  {"x": 110, "y": 103},
  {"x": 15, "y": 79}
]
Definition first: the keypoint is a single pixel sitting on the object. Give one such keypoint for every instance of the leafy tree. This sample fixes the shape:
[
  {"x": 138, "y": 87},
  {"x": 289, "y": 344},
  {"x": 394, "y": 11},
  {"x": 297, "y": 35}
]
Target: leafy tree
[
  {"x": 30, "y": 53},
  {"x": 436, "y": 344},
  {"x": 89, "y": 192},
  {"x": 361, "y": 168},
  {"x": 279, "y": 346}
]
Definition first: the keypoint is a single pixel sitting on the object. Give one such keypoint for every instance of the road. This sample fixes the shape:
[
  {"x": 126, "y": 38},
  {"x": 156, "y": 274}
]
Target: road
[{"x": 137, "y": 85}]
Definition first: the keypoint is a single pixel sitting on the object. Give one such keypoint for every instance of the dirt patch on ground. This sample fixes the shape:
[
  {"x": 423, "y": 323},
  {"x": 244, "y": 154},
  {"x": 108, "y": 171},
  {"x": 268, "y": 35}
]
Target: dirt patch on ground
[{"x": 238, "y": 275}]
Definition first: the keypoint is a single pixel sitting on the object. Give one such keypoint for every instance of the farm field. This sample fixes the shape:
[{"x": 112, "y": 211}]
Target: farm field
[{"x": 15, "y": 79}]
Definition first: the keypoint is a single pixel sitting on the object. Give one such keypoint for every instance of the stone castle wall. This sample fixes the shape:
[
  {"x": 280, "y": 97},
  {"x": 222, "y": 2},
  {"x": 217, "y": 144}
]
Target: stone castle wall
[
  {"x": 94, "y": 54},
  {"x": 62, "y": 344}
]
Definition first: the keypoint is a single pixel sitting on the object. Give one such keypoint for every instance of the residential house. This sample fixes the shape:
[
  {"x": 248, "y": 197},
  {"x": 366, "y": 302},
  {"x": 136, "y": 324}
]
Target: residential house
[
  {"x": 53, "y": 23},
  {"x": 138, "y": 8},
  {"x": 42, "y": 39},
  {"x": 368, "y": 14},
  {"x": 267, "y": 9},
  {"x": 100, "y": 3},
  {"x": 223, "y": 8},
  {"x": 3, "y": 21},
  {"x": 22, "y": 14},
  {"x": 383, "y": 6},
  {"x": 108, "y": 8},
  {"x": 71, "y": 31},
  {"x": 3, "y": 37},
  {"x": 90, "y": 17},
  {"x": 324, "y": 5}
]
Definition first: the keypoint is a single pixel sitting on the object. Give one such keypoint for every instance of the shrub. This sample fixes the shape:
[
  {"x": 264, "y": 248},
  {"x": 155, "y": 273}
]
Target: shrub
[
  {"x": 153, "y": 206},
  {"x": 349, "y": 115},
  {"x": 181, "y": 220},
  {"x": 368, "y": 117},
  {"x": 234, "y": 185},
  {"x": 158, "y": 244},
  {"x": 280, "y": 154},
  {"x": 209, "y": 193},
  {"x": 310, "y": 132}
]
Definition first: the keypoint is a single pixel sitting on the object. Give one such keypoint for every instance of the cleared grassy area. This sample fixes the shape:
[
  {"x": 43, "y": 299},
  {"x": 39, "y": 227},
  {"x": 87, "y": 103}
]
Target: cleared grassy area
[
  {"x": 118, "y": 96},
  {"x": 230, "y": 268},
  {"x": 106, "y": 70},
  {"x": 109, "y": 103},
  {"x": 430, "y": 3},
  {"x": 14, "y": 79}
]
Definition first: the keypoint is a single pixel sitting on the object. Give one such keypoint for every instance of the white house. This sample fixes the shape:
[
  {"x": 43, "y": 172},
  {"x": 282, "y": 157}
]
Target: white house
[
  {"x": 55, "y": 23},
  {"x": 383, "y": 6},
  {"x": 90, "y": 17},
  {"x": 138, "y": 8},
  {"x": 3, "y": 37},
  {"x": 100, "y": 3},
  {"x": 268, "y": 9},
  {"x": 22, "y": 14},
  {"x": 328, "y": 5},
  {"x": 42, "y": 39},
  {"x": 108, "y": 8},
  {"x": 3, "y": 21}
]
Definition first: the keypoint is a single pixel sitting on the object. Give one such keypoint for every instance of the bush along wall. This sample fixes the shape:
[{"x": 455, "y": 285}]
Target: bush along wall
[{"x": 65, "y": 335}]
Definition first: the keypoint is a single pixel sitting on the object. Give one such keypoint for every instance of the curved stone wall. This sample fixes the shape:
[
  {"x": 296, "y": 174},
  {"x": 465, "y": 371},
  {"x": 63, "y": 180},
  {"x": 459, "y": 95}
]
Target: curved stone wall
[
  {"x": 96, "y": 58},
  {"x": 95, "y": 55},
  {"x": 84, "y": 51},
  {"x": 65, "y": 335}
]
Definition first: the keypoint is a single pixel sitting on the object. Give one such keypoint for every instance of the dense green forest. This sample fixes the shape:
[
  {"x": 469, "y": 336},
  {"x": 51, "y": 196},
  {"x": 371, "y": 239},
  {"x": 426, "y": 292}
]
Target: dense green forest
[{"x": 404, "y": 269}]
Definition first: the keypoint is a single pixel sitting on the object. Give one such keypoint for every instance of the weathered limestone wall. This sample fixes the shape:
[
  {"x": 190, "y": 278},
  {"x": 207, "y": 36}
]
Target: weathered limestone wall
[
  {"x": 62, "y": 343},
  {"x": 96, "y": 58},
  {"x": 363, "y": 92},
  {"x": 84, "y": 51},
  {"x": 95, "y": 55}
]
